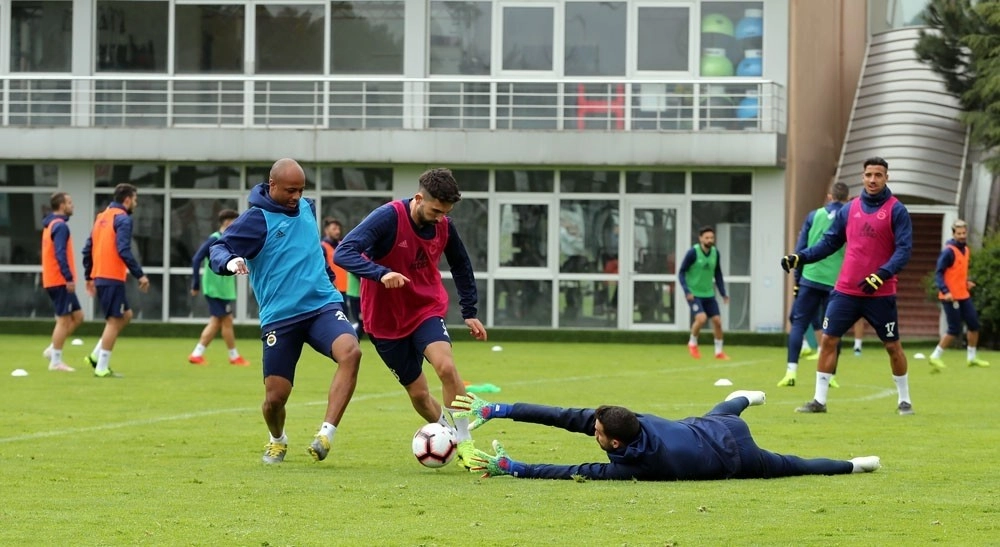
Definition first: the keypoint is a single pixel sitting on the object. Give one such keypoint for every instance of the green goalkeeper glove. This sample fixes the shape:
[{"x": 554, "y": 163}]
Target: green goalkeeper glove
[
  {"x": 497, "y": 464},
  {"x": 479, "y": 411}
]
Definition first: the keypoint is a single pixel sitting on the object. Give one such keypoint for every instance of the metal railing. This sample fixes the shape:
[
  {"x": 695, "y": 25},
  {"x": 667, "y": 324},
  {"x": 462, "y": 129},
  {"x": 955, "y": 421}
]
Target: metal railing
[{"x": 393, "y": 103}]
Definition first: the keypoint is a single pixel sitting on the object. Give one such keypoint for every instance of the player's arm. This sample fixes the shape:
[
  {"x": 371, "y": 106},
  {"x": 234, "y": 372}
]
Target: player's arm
[
  {"x": 945, "y": 260},
  {"x": 720, "y": 283},
  {"x": 902, "y": 229},
  {"x": 686, "y": 264},
  {"x": 123, "y": 242},
  {"x": 199, "y": 256},
  {"x": 480, "y": 411},
  {"x": 60, "y": 240},
  {"x": 462, "y": 273},
  {"x": 500, "y": 463},
  {"x": 374, "y": 238},
  {"x": 833, "y": 239},
  {"x": 803, "y": 241},
  {"x": 88, "y": 259},
  {"x": 244, "y": 238}
]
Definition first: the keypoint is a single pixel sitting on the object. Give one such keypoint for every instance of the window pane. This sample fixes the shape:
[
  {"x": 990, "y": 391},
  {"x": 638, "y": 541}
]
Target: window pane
[
  {"x": 646, "y": 182},
  {"x": 24, "y": 295},
  {"x": 29, "y": 175},
  {"x": 366, "y": 38},
  {"x": 739, "y": 306},
  {"x": 595, "y": 38},
  {"x": 721, "y": 183},
  {"x": 663, "y": 39},
  {"x": 131, "y": 36},
  {"x": 525, "y": 303},
  {"x": 589, "y": 181},
  {"x": 731, "y": 220},
  {"x": 472, "y": 180},
  {"x": 731, "y": 39},
  {"x": 351, "y": 210},
  {"x": 41, "y": 36},
  {"x": 527, "y": 38},
  {"x": 182, "y": 304},
  {"x": 139, "y": 175},
  {"x": 454, "y": 316},
  {"x": 146, "y": 306},
  {"x": 525, "y": 181},
  {"x": 21, "y": 228},
  {"x": 290, "y": 39},
  {"x": 653, "y": 302},
  {"x": 588, "y": 304},
  {"x": 460, "y": 34},
  {"x": 147, "y": 226},
  {"x": 588, "y": 235},
  {"x": 205, "y": 177},
  {"x": 471, "y": 218},
  {"x": 358, "y": 178},
  {"x": 527, "y": 106},
  {"x": 209, "y": 39},
  {"x": 191, "y": 222},
  {"x": 524, "y": 235}
]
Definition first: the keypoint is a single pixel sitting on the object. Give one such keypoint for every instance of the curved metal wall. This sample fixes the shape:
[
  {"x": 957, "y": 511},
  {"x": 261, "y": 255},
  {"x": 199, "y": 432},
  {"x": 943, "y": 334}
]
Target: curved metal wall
[{"x": 903, "y": 113}]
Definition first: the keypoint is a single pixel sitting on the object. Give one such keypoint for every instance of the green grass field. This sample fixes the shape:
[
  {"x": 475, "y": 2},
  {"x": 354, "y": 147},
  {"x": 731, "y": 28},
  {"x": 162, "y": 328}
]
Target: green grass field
[{"x": 170, "y": 454}]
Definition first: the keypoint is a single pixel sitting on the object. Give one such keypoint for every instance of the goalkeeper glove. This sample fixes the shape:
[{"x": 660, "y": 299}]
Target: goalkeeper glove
[
  {"x": 497, "y": 464},
  {"x": 478, "y": 410},
  {"x": 789, "y": 262},
  {"x": 873, "y": 282}
]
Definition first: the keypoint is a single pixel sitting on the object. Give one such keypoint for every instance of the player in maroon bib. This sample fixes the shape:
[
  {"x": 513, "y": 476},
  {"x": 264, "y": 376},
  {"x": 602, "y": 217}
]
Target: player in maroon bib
[
  {"x": 395, "y": 252},
  {"x": 877, "y": 233}
]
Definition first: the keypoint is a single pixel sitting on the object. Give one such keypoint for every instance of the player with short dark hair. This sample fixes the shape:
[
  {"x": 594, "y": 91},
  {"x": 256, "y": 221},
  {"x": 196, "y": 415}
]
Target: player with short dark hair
[
  {"x": 107, "y": 260},
  {"x": 878, "y": 235},
  {"x": 644, "y": 447},
  {"x": 220, "y": 294},
  {"x": 952, "y": 280},
  {"x": 395, "y": 252},
  {"x": 813, "y": 282},
  {"x": 59, "y": 277},
  {"x": 699, "y": 275},
  {"x": 276, "y": 243}
]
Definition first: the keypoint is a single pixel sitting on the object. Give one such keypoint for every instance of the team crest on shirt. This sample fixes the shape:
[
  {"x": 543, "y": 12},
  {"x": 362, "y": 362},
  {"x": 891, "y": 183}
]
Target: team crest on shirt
[
  {"x": 880, "y": 215},
  {"x": 271, "y": 339}
]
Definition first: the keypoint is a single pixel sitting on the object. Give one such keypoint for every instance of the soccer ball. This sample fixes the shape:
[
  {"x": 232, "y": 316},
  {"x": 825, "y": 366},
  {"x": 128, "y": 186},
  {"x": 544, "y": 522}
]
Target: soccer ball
[{"x": 434, "y": 445}]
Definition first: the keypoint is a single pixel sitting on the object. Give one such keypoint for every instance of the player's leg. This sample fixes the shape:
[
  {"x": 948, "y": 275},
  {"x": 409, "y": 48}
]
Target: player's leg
[
  {"x": 972, "y": 322},
  {"x": 954, "y": 319},
  {"x": 804, "y": 309},
  {"x": 698, "y": 320},
  {"x": 859, "y": 334},
  {"x": 711, "y": 308},
  {"x": 841, "y": 312},
  {"x": 882, "y": 315},
  {"x": 208, "y": 333},
  {"x": 331, "y": 334},
  {"x": 118, "y": 314},
  {"x": 281, "y": 351},
  {"x": 68, "y": 318}
]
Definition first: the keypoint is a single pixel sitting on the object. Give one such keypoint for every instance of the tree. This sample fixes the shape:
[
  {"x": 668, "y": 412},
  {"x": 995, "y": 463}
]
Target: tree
[{"x": 964, "y": 49}]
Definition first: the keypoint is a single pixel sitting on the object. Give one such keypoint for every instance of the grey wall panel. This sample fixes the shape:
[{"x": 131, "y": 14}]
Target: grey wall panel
[{"x": 903, "y": 113}]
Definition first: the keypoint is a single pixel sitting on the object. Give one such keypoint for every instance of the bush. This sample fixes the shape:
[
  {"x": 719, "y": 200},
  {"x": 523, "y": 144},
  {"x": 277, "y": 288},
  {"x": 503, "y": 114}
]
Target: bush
[{"x": 986, "y": 296}]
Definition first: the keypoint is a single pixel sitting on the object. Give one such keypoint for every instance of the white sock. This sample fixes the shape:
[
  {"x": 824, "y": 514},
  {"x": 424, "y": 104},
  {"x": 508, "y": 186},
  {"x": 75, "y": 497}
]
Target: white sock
[
  {"x": 97, "y": 348},
  {"x": 327, "y": 430},
  {"x": 902, "y": 387},
  {"x": 937, "y": 353},
  {"x": 281, "y": 440},
  {"x": 792, "y": 367},
  {"x": 48, "y": 348},
  {"x": 693, "y": 340},
  {"x": 718, "y": 346},
  {"x": 103, "y": 360},
  {"x": 56, "y": 357},
  {"x": 857, "y": 343},
  {"x": 822, "y": 386},
  {"x": 234, "y": 353},
  {"x": 461, "y": 426},
  {"x": 199, "y": 350},
  {"x": 805, "y": 344},
  {"x": 970, "y": 353}
]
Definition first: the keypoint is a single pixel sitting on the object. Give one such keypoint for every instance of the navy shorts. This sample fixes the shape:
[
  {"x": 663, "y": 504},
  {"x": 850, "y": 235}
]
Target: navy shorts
[
  {"x": 844, "y": 310},
  {"x": 218, "y": 307},
  {"x": 112, "y": 299},
  {"x": 283, "y": 345},
  {"x": 708, "y": 306},
  {"x": 808, "y": 306},
  {"x": 405, "y": 356},
  {"x": 958, "y": 311},
  {"x": 63, "y": 301}
]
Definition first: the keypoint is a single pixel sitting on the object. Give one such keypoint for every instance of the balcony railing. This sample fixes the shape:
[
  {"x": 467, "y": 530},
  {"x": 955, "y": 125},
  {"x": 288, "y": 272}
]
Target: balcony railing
[{"x": 396, "y": 103}]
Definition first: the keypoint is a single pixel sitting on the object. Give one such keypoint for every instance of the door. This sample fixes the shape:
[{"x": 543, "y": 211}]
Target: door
[{"x": 654, "y": 230}]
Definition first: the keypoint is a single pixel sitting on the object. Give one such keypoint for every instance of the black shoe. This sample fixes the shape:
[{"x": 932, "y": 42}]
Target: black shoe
[
  {"x": 812, "y": 407},
  {"x": 904, "y": 409}
]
